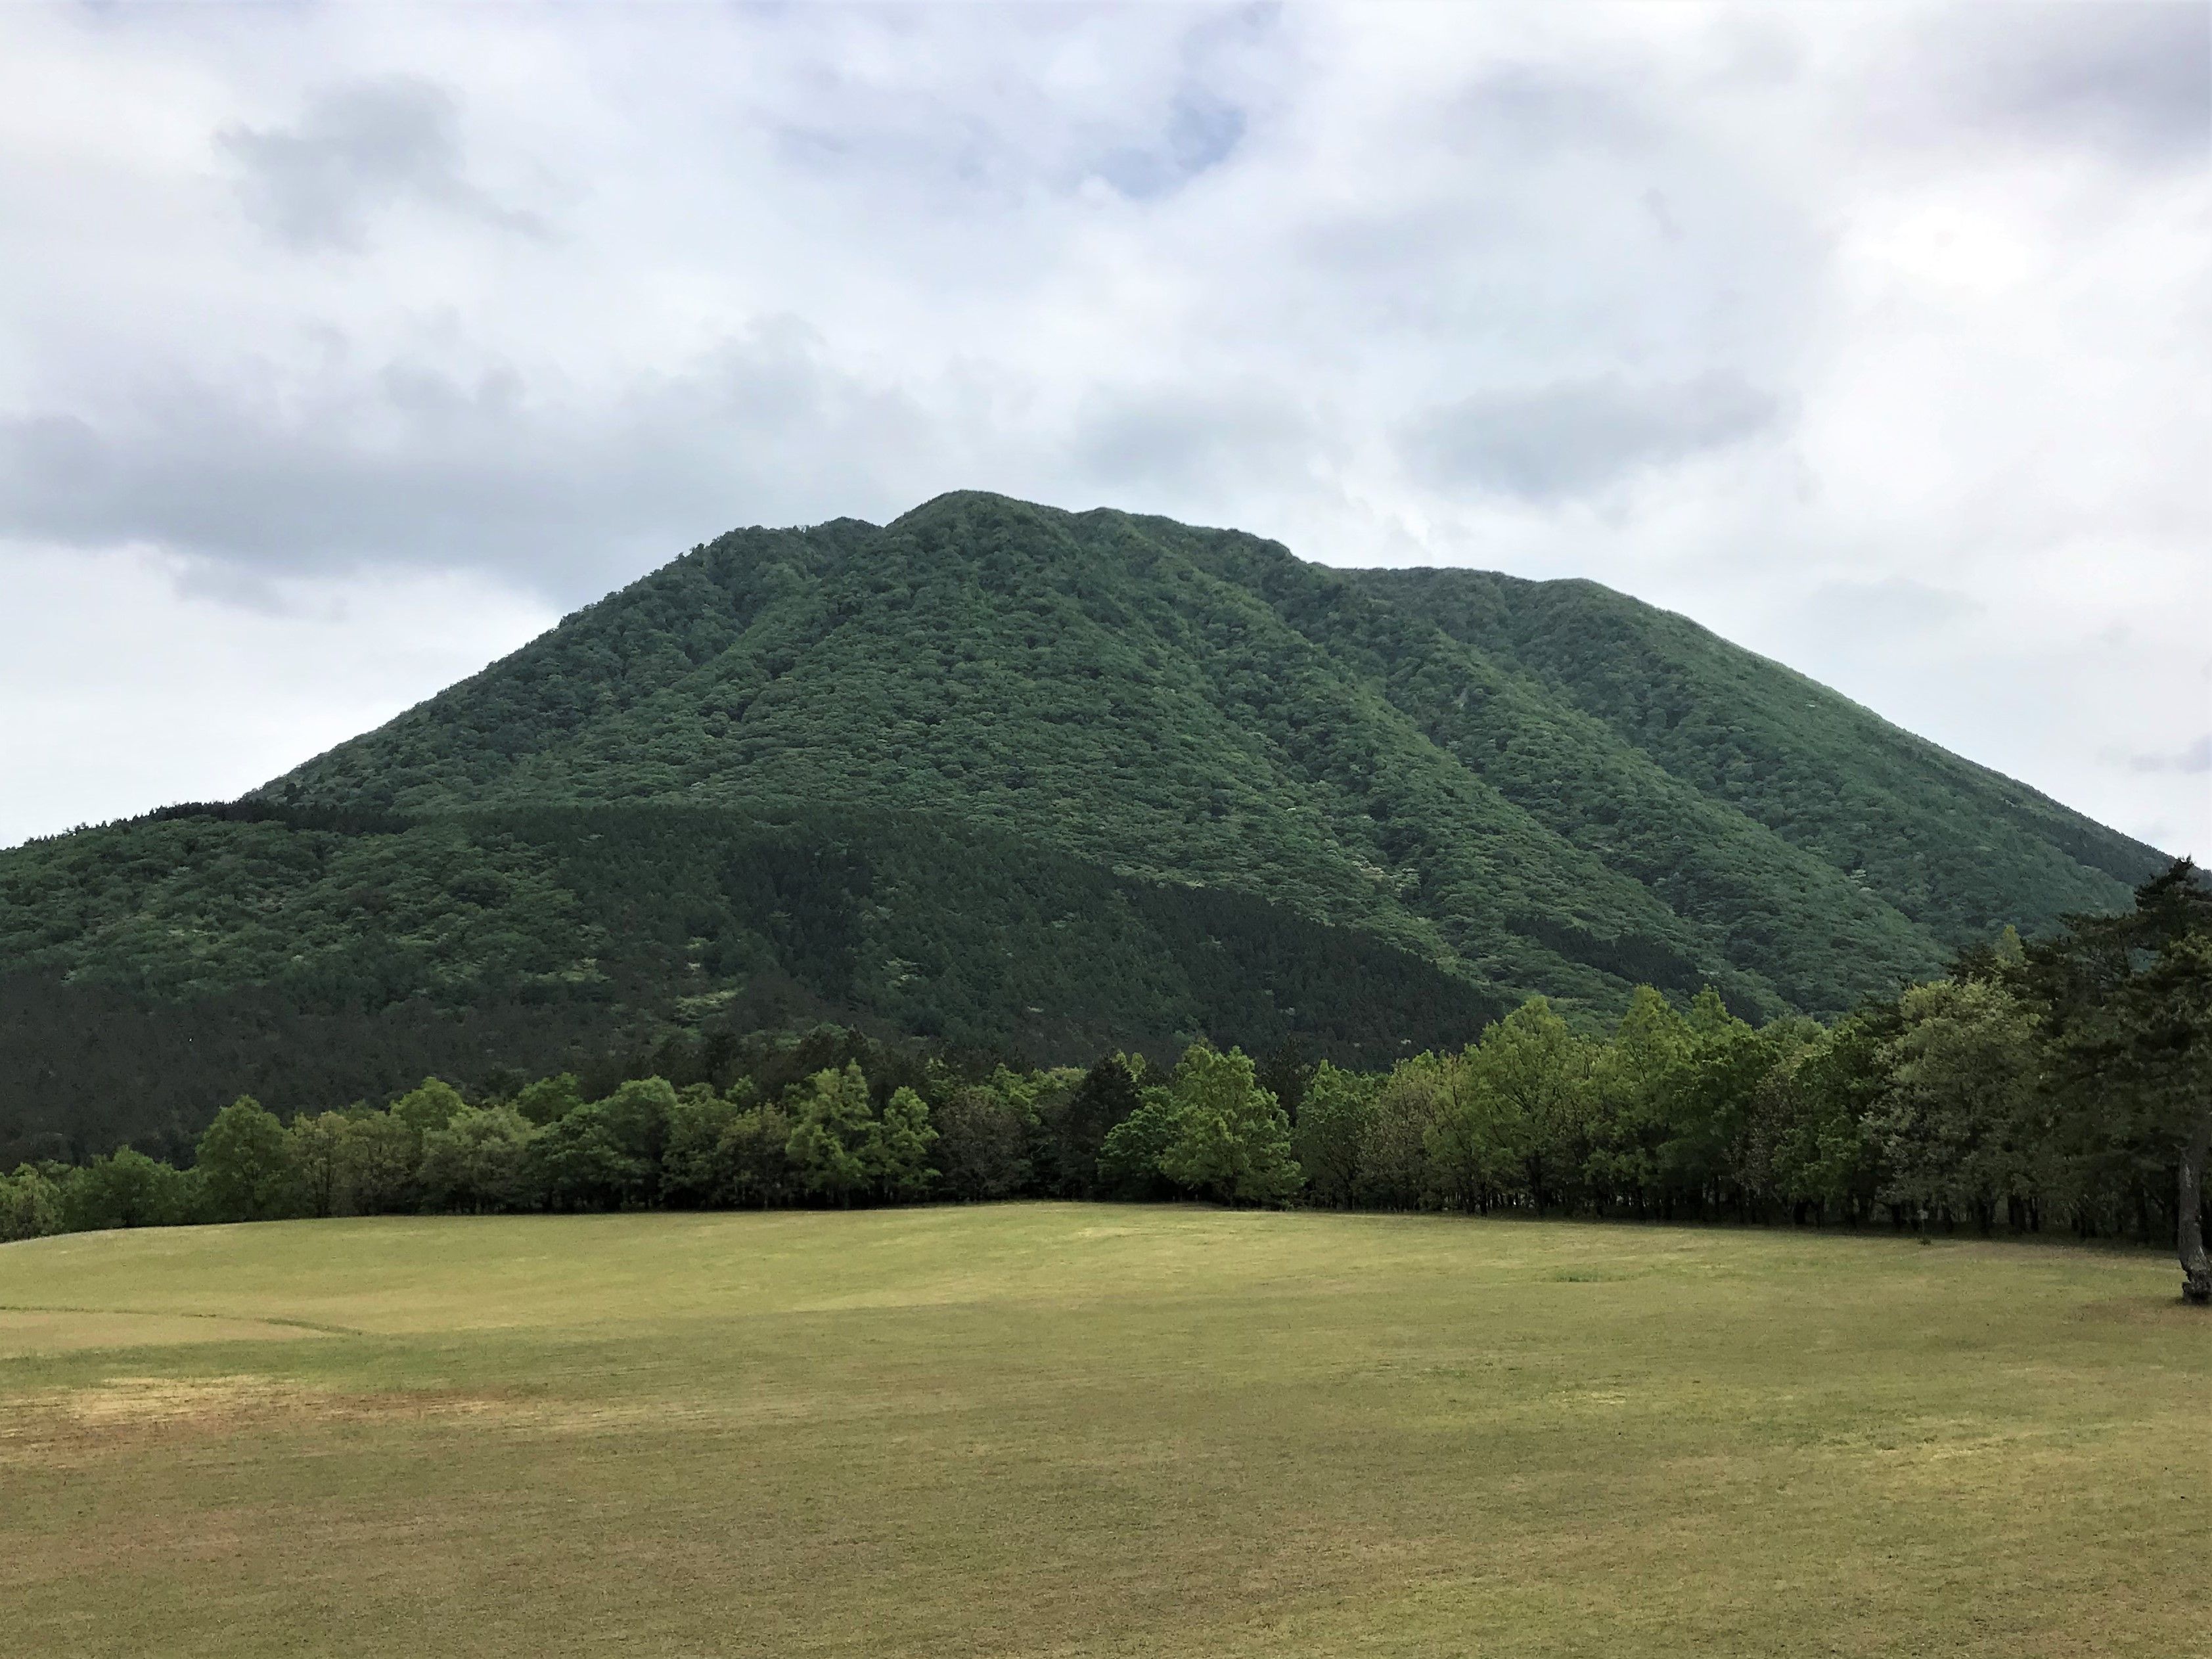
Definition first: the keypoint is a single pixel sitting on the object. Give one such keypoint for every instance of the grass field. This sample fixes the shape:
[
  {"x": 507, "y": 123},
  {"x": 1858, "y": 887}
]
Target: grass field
[{"x": 1086, "y": 1429}]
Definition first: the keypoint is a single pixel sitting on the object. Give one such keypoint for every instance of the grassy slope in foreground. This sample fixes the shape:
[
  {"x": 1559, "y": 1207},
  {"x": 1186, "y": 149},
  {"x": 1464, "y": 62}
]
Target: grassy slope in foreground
[{"x": 1067, "y": 1429}]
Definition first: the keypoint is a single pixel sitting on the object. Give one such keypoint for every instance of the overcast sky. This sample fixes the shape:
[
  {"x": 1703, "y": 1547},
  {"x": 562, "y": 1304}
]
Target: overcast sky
[{"x": 344, "y": 347}]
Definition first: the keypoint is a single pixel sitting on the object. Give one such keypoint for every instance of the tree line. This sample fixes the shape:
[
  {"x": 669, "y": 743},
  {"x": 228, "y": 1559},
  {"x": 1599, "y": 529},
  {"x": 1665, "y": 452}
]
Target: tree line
[{"x": 2062, "y": 1085}]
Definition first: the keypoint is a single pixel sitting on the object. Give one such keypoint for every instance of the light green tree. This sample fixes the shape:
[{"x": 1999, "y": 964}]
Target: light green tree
[
  {"x": 1232, "y": 1140},
  {"x": 1473, "y": 1136},
  {"x": 244, "y": 1172},
  {"x": 1129, "y": 1155},
  {"x": 1528, "y": 1081},
  {"x": 30, "y": 1205},
  {"x": 1632, "y": 1080},
  {"x": 429, "y": 1105},
  {"x": 898, "y": 1146},
  {"x": 1955, "y": 1125},
  {"x": 829, "y": 1136},
  {"x": 1395, "y": 1171}
]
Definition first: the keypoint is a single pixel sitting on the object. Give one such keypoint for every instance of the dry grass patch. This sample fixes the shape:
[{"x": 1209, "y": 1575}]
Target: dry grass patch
[
  {"x": 27, "y": 1331},
  {"x": 1059, "y": 1429}
]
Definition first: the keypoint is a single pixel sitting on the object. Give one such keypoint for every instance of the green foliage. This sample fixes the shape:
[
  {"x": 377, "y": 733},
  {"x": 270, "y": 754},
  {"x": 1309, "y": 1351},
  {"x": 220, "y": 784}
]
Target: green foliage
[
  {"x": 1577, "y": 792},
  {"x": 1958, "y": 1121},
  {"x": 1077, "y": 1126},
  {"x": 1958, "y": 849},
  {"x": 898, "y": 1147},
  {"x": 692, "y": 1176},
  {"x": 1330, "y": 1137},
  {"x": 2060, "y": 1084},
  {"x": 246, "y": 1173},
  {"x": 549, "y": 1099},
  {"x": 983, "y": 1145},
  {"x": 580, "y": 1162},
  {"x": 315, "y": 1153},
  {"x": 753, "y": 1160},
  {"x": 1528, "y": 1082},
  {"x": 431, "y": 1105},
  {"x": 998, "y": 776},
  {"x": 638, "y": 1114},
  {"x": 1473, "y": 1137},
  {"x": 126, "y": 1189},
  {"x": 377, "y": 1160},
  {"x": 30, "y": 1205},
  {"x": 1231, "y": 1141},
  {"x": 1129, "y": 1158},
  {"x": 478, "y": 1161},
  {"x": 832, "y": 1135},
  {"x": 700, "y": 921}
]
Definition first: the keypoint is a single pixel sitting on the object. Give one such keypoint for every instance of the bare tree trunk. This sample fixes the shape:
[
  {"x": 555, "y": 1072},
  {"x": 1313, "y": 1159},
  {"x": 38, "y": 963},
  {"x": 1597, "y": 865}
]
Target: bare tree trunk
[{"x": 2195, "y": 1266}]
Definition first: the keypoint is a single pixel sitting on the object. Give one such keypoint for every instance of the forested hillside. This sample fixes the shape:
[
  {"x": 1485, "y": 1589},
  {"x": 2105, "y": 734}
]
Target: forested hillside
[
  {"x": 995, "y": 774},
  {"x": 1190, "y": 705},
  {"x": 322, "y": 956},
  {"x": 1953, "y": 845}
]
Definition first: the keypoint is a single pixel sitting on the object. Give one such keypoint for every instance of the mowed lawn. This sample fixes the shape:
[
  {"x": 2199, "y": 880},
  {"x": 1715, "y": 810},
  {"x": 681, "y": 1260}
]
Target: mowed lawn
[{"x": 1089, "y": 1430}]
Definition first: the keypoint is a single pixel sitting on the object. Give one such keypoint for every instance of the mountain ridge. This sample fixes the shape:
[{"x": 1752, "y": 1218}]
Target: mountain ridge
[
  {"x": 999, "y": 773},
  {"x": 1253, "y": 686}
]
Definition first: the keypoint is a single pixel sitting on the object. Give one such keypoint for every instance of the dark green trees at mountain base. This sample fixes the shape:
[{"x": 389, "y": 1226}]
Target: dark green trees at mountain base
[
  {"x": 2127, "y": 1001},
  {"x": 2059, "y": 1086}
]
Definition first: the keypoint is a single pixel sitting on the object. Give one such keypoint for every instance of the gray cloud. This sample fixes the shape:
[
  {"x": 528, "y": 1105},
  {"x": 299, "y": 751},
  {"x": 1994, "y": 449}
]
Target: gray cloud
[
  {"x": 1179, "y": 440},
  {"x": 1526, "y": 111},
  {"x": 414, "y": 463},
  {"x": 1202, "y": 132},
  {"x": 1577, "y": 437},
  {"x": 360, "y": 147},
  {"x": 1394, "y": 284},
  {"x": 2133, "y": 76},
  {"x": 2195, "y": 760},
  {"x": 1872, "y": 613}
]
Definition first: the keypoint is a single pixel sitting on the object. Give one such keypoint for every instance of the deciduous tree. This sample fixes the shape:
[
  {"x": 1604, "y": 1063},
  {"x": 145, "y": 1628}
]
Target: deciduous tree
[{"x": 244, "y": 1172}]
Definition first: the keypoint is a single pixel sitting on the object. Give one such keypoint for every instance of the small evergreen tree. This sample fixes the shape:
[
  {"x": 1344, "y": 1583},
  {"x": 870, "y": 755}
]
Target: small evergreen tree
[
  {"x": 898, "y": 1145},
  {"x": 829, "y": 1143}
]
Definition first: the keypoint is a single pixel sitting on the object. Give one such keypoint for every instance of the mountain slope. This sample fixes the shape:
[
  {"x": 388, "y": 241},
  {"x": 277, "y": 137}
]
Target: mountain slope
[
  {"x": 998, "y": 773},
  {"x": 1960, "y": 849},
  {"x": 151, "y": 970},
  {"x": 1185, "y": 705}
]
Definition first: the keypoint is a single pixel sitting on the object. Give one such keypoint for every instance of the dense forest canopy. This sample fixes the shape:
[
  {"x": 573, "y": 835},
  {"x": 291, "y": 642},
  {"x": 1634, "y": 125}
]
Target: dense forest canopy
[
  {"x": 1544, "y": 786},
  {"x": 2062, "y": 1085},
  {"x": 998, "y": 776}
]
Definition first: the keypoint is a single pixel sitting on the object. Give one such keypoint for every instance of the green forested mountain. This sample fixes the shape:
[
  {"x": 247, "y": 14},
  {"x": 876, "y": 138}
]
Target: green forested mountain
[
  {"x": 1540, "y": 785},
  {"x": 1000, "y": 773}
]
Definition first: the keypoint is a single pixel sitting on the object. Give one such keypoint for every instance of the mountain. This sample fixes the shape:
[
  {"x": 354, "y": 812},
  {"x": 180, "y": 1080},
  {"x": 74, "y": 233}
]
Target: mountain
[{"x": 997, "y": 772}]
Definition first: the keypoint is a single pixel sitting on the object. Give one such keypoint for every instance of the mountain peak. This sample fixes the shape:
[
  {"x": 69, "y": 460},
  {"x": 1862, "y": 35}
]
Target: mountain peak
[{"x": 1537, "y": 786}]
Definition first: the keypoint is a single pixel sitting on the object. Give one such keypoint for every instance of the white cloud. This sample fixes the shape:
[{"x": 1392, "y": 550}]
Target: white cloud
[
  {"x": 1877, "y": 340},
  {"x": 142, "y": 679}
]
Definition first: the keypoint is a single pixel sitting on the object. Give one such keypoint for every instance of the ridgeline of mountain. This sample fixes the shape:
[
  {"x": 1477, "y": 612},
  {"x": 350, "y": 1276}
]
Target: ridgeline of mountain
[{"x": 999, "y": 772}]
